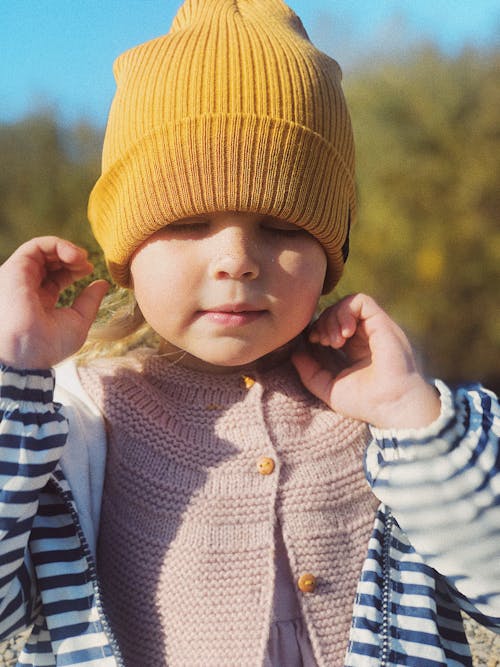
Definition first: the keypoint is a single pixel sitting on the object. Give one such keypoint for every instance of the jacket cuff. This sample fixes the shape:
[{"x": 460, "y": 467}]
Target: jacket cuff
[
  {"x": 420, "y": 443},
  {"x": 30, "y": 388}
]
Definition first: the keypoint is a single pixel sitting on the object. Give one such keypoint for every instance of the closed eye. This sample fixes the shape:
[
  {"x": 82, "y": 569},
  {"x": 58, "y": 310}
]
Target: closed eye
[
  {"x": 285, "y": 229},
  {"x": 188, "y": 226}
]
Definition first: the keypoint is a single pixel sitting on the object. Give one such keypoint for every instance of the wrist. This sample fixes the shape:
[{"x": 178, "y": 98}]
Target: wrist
[
  {"x": 26, "y": 354},
  {"x": 19, "y": 352},
  {"x": 417, "y": 406}
]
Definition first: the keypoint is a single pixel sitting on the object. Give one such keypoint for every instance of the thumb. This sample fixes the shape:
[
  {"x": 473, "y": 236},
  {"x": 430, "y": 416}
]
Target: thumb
[
  {"x": 88, "y": 301},
  {"x": 315, "y": 377}
]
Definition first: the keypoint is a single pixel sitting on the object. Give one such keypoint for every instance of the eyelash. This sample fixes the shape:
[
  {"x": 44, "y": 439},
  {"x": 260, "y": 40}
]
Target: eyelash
[
  {"x": 187, "y": 226},
  {"x": 287, "y": 231}
]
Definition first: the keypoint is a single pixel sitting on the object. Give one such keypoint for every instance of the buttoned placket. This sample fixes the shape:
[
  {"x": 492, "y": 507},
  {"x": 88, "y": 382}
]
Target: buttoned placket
[{"x": 266, "y": 465}]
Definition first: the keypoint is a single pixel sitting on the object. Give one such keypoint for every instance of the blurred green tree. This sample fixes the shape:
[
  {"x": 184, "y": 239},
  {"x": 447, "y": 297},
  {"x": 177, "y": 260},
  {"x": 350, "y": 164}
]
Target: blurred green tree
[
  {"x": 48, "y": 171},
  {"x": 427, "y": 243}
]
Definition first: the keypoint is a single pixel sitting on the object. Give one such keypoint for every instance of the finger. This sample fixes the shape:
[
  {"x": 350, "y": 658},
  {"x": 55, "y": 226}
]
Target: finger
[
  {"x": 65, "y": 264},
  {"x": 65, "y": 277},
  {"x": 319, "y": 330},
  {"x": 87, "y": 303},
  {"x": 51, "y": 248},
  {"x": 346, "y": 316},
  {"x": 40, "y": 269},
  {"x": 357, "y": 308},
  {"x": 327, "y": 330},
  {"x": 315, "y": 332},
  {"x": 347, "y": 323},
  {"x": 71, "y": 258},
  {"x": 38, "y": 258}
]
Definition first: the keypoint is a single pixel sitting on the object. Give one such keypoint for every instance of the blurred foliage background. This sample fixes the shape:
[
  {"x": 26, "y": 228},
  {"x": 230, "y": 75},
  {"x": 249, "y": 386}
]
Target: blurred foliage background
[{"x": 427, "y": 241}]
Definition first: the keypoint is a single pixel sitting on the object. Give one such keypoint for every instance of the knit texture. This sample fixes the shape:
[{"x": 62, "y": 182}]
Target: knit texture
[
  {"x": 233, "y": 110},
  {"x": 187, "y": 539}
]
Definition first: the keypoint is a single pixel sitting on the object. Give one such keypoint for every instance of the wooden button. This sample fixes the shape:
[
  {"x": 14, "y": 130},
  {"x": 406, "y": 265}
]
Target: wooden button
[
  {"x": 265, "y": 465},
  {"x": 307, "y": 583},
  {"x": 248, "y": 381}
]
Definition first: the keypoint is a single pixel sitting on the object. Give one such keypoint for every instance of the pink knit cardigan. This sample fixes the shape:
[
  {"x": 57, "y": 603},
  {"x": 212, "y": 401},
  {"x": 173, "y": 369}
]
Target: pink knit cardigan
[{"x": 187, "y": 539}]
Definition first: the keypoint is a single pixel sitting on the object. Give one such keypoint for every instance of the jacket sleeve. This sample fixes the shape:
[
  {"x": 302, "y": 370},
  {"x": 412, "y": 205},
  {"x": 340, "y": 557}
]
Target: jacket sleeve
[
  {"x": 442, "y": 484},
  {"x": 33, "y": 430}
]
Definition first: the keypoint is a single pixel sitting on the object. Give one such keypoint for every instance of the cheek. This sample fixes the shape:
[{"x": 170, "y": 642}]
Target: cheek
[
  {"x": 156, "y": 265},
  {"x": 302, "y": 285},
  {"x": 155, "y": 280},
  {"x": 306, "y": 267},
  {"x": 316, "y": 267}
]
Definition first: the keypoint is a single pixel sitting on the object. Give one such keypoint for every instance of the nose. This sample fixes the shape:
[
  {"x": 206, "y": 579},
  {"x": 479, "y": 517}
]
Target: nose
[{"x": 236, "y": 254}]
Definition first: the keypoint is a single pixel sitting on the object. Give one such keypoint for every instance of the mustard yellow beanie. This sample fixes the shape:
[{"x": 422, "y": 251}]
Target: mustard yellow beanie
[{"x": 233, "y": 110}]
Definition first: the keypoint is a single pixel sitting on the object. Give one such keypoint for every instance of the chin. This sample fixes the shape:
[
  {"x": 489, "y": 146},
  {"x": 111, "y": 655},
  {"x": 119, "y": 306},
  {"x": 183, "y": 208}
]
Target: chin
[
  {"x": 233, "y": 361},
  {"x": 231, "y": 358},
  {"x": 241, "y": 359}
]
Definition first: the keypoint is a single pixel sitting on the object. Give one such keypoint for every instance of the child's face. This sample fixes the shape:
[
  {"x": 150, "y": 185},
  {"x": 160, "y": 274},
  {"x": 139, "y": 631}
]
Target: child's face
[{"x": 228, "y": 288}]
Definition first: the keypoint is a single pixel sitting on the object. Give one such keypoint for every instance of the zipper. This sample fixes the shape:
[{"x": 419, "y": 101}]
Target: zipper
[
  {"x": 385, "y": 644},
  {"x": 67, "y": 497}
]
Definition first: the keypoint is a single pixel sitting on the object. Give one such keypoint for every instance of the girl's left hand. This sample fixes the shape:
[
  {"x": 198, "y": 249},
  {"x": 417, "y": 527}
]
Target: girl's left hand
[{"x": 376, "y": 378}]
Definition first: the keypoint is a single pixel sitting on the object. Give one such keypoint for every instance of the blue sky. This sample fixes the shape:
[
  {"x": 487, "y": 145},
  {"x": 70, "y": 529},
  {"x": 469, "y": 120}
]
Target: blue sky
[{"x": 60, "y": 52}]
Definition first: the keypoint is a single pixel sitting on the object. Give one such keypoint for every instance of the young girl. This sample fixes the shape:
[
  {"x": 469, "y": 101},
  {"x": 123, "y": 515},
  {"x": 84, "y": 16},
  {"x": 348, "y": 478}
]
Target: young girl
[{"x": 204, "y": 502}]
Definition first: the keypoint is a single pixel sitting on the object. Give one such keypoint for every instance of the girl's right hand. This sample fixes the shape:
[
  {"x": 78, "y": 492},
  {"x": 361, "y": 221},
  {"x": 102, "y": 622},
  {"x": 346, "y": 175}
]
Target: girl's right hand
[{"x": 34, "y": 333}]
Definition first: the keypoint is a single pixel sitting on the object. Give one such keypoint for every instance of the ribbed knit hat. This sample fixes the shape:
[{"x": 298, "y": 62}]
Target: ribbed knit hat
[{"x": 233, "y": 110}]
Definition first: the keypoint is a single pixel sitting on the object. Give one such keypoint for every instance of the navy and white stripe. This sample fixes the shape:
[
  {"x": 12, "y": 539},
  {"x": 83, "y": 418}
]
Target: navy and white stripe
[
  {"x": 47, "y": 576},
  {"x": 403, "y": 614},
  {"x": 445, "y": 492},
  {"x": 440, "y": 491}
]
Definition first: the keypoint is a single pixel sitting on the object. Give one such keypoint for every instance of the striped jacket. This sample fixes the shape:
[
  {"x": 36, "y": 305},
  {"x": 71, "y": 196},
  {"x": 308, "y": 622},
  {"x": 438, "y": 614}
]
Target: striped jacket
[{"x": 435, "y": 547}]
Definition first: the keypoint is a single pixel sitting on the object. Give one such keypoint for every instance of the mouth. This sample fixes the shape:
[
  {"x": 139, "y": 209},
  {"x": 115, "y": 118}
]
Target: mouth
[
  {"x": 234, "y": 308},
  {"x": 234, "y": 315}
]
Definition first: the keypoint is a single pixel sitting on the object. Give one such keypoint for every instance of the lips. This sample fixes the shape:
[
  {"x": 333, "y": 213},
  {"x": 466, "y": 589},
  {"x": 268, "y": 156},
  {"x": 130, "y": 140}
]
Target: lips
[
  {"x": 233, "y": 315},
  {"x": 233, "y": 308}
]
